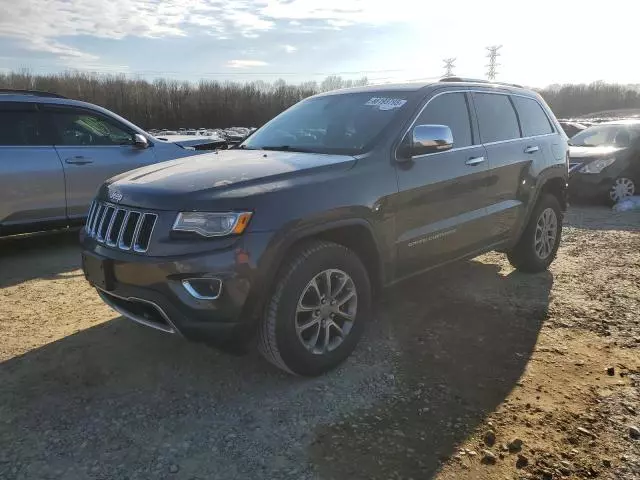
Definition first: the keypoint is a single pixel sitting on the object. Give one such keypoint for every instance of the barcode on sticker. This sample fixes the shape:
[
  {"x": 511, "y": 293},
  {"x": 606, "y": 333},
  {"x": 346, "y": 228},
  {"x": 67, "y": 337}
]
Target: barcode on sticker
[{"x": 386, "y": 103}]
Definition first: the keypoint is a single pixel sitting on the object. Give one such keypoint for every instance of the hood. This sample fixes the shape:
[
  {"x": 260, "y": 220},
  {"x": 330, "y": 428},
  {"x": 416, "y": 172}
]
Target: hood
[
  {"x": 588, "y": 153},
  {"x": 176, "y": 183}
]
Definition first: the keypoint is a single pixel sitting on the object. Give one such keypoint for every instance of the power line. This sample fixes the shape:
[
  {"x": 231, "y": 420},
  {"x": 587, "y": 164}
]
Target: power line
[
  {"x": 449, "y": 66},
  {"x": 494, "y": 53}
]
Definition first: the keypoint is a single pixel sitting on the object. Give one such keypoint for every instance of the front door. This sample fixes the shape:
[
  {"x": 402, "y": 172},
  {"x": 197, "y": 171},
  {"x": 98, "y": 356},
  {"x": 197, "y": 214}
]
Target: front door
[
  {"x": 92, "y": 148},
  {"x": 440, "y": 207}
]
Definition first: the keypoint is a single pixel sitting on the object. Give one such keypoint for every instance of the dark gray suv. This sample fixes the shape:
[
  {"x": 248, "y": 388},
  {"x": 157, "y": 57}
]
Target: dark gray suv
[{"x": 290, "y": 234}]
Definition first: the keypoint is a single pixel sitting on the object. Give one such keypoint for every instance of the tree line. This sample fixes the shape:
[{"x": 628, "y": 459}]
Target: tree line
[{"x": 172, "y": 104}]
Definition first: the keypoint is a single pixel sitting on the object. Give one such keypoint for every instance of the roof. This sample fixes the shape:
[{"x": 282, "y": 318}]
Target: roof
[{"x": 416, "y": 86}]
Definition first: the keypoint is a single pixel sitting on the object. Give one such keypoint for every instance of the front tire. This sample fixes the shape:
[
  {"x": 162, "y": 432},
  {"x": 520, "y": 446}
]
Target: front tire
[
  {"x": 622, "y": 187},
  {"x": 317, "y": 311},
  {"x": 539, "y": 242}
]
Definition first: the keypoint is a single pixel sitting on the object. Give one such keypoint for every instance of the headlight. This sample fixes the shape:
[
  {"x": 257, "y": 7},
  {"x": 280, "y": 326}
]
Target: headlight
[
  {"x": 210, "y": 224},
  {"x": 598, "y": 165}
]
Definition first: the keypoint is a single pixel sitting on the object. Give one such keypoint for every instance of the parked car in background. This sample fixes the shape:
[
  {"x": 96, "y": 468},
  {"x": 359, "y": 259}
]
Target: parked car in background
[
  {"x": 605, "y": 161},
  {"x": 571, "y": 128},
  {"x": 292, "y": 234},
  {"x": 196, "y": 142},
  {"x": 56, "y": 152}
]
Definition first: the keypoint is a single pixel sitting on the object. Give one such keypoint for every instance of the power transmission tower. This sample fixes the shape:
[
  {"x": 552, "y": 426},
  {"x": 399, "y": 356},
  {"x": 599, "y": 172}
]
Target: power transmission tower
[
  {"x": 494, "y": 53},
  {"x": 449, "y": 66}
]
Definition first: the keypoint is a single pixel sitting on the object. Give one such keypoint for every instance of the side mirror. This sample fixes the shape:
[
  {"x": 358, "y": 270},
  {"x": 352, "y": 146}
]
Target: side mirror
[
  {"x": 140, "y": 141},
  {"x": 425, "y": 139}
]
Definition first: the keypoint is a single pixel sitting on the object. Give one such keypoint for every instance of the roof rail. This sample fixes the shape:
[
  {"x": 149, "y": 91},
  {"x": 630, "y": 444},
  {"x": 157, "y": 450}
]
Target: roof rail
[
  {"x": 478, "y": 80},
  {"x": 35, "y": 93}
]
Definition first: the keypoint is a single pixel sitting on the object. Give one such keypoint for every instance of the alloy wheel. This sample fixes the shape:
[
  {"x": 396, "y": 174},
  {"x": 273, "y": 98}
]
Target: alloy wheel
[
  {"x": 546, "y": 233},
  {"x": 326, "y": 311}
]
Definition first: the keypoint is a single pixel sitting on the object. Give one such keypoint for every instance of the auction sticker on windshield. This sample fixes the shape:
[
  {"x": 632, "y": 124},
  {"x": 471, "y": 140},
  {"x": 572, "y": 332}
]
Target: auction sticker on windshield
[{"x": 386, "y": 103}]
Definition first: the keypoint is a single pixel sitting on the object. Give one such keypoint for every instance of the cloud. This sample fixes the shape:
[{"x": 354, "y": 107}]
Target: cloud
[
  {"x": 41, "y": 25},
  {"x": 49, "y": 25},
  {"x": 245, "y": 63},
  {"x": 290, "y": 48}
]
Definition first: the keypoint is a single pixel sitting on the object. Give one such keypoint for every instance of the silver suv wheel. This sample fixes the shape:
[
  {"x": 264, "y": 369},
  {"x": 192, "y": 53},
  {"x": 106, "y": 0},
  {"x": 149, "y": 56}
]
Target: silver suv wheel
[
  {"x": 546, "y": 231},
  {"x": 326, "y": 311}
]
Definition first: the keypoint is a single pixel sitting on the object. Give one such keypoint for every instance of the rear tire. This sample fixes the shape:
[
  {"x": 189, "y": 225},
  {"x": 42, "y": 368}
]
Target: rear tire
[
  {"x": 538, "y": 245},
  {"x": 304, "y": 335}
]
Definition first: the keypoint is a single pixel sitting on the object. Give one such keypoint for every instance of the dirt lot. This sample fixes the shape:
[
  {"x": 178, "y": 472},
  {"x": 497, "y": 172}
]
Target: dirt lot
[{"x": 471, "y": 372}]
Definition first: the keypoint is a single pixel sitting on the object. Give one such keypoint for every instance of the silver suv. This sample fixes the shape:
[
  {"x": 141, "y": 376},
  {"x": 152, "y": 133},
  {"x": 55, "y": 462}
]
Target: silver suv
[{"x": 56, "y": 152}]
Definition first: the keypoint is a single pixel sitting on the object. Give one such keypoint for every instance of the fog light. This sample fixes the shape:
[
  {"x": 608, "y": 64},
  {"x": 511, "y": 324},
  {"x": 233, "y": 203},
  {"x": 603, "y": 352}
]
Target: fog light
[{"x": 203, "y": 288}]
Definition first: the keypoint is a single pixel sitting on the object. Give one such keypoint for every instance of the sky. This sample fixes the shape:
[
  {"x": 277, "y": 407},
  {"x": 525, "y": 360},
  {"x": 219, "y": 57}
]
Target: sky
[{"x": 543, "y": 42}]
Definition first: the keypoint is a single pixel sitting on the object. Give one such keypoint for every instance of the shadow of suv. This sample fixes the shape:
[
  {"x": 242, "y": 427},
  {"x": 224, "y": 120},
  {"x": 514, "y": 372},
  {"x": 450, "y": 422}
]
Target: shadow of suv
[
  {"x": 292, "y": 234},
  {"x": 56, "y": 152}
]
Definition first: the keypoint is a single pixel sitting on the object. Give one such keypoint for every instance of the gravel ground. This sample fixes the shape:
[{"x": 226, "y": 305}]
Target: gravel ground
[{"x": 455, "y": 367}]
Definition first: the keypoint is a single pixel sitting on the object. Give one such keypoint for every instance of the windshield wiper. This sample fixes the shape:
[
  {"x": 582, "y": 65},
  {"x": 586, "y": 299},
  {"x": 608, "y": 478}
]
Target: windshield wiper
[{"x": 287, "y": 148}]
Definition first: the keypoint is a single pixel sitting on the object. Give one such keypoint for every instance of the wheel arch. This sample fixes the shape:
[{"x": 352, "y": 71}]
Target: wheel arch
[{"x": 355, "y": 234}]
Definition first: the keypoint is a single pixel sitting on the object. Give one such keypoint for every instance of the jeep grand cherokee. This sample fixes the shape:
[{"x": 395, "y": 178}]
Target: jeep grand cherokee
[{"x": 289, "y": 235}]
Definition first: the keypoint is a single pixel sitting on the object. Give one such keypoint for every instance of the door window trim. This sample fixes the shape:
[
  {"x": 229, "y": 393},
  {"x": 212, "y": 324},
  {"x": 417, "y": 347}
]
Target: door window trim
[{"x": 474, "y": 115}]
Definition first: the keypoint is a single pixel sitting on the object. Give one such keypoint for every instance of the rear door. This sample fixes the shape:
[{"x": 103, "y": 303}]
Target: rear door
[
  {"x": 31, "y": 175},
  {"x": 440, "y": 210},
  {"x": 510, "y": 157},
  {"x": 92, "y": 148}
]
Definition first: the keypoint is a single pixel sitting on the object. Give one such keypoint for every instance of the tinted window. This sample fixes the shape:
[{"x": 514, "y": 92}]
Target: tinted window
[
  {"x": 347, "y": 123},
  {"x": 450, "y": 110},
  {"x": 79, "y": 127},
  {"x": 532, "y": 117},
  {"x": 496, "y": 117},
  {"x": 20, "y": 126}
]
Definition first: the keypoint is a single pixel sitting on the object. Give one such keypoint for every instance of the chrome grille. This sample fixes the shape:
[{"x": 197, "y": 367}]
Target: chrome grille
[{"x": 120, "y": 227}]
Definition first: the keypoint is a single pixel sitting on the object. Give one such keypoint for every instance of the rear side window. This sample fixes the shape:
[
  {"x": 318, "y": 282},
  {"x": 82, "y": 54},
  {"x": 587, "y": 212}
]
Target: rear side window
[
  {"x": 532, "y": 117},
  {"x": 20, "y": 125},
  {"x": 496, "y": 117},
  {"x": 451, "y": 110}
]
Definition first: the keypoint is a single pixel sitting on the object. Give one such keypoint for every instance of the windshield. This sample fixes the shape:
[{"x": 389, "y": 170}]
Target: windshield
[
  {"x": 609, "y": 135},
  {"x": 342, "y": 124}
]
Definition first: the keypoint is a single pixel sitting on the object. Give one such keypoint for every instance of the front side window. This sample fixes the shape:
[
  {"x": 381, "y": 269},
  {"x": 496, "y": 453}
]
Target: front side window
[
  {"x": 347, "y": 124},
  {"x": 20, "y": 125},
  {"x": 79, "y": 127},
  {"x": 496, "y": 117},
  {"x": 532, "y": 118},
  {"x": 451, "y": 110}
]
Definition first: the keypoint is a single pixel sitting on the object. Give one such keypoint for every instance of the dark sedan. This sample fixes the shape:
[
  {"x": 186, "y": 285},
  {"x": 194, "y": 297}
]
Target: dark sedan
[
  {"x": 571, "y": 128},
  {"x": 605, "y": 161}
]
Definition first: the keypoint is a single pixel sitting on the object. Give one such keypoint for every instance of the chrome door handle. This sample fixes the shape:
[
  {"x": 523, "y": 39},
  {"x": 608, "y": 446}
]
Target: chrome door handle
[
  {"x": 532, "y": 149},
  {"x": 474, "y": 161},
  {"x": 78, "y": 160}
]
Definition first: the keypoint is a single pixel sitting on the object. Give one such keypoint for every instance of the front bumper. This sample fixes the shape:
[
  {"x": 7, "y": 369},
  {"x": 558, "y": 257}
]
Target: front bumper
[{"x": 150, "y": 290}]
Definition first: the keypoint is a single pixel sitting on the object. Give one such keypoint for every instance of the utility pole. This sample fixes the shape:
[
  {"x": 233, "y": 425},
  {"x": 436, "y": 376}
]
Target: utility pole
[
  {"x": 494, "y": 53},
  {"x": 449, "y": 66}
]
